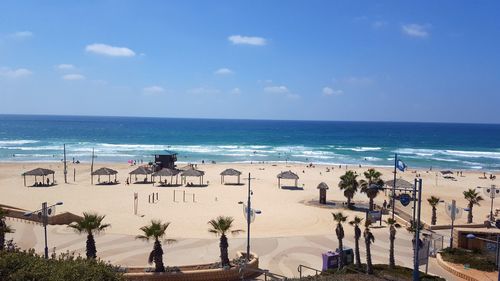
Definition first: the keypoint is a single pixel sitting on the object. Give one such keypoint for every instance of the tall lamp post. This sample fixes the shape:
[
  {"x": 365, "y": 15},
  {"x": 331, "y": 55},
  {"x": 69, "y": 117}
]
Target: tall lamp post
[
  {"x": 491, "y": 192},
  {"x": 248, "y": 212},
  {"x": 44, "y": 213},
  {"x": 497, "y": 243}
]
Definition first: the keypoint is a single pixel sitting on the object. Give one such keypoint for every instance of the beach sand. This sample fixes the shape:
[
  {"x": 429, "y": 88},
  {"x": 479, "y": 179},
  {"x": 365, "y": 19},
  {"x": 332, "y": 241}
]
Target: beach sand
[{"x": 285, "y": 212}]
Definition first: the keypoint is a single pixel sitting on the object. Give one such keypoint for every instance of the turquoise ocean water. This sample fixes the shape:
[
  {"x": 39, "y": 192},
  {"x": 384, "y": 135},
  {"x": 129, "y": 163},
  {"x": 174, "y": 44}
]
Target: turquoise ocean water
[{"x": 118, "y": 139}]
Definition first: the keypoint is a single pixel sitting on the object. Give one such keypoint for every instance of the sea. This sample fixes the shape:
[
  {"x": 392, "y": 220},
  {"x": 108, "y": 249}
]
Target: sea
[{"x": 41, "y": 138}]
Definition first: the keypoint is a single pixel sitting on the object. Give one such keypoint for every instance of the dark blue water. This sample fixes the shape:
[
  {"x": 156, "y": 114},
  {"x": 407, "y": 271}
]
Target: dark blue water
[{"x": 40, "y": 138}]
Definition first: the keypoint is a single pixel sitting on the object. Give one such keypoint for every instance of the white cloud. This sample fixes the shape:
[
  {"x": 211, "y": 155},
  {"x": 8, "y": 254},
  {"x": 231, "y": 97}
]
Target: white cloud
[
  {"x": 327, "y": 91},
  {"x": 22, "y": 34},
  {"x": 415, "y": 30},
  {"x": 276, "y": 89},
  {"x": 14, "y": 73},
  {"x": 153, "y": 90},
  {"x": 247, "y": 40},
  {"x": 65, "y": 66},
  {"x": 235, "y": 91},
  {"x": 223, "y": 71},
  {"x": 107, "y": 50},
  {"x": 73, "y": 77}
]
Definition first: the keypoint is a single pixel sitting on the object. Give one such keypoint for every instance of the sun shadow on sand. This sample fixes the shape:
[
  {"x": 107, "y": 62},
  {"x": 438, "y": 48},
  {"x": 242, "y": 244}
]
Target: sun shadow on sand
[
  {"x": 292, "y": 187},
  {"x": 235, "y": 184}
]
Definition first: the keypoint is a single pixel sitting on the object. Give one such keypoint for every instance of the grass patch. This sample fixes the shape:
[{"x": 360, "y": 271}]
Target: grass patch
[{"x": 475, "y": 259}]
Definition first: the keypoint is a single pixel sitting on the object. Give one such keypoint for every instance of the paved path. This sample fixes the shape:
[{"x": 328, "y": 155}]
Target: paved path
[{"x": 281, "y": 255}]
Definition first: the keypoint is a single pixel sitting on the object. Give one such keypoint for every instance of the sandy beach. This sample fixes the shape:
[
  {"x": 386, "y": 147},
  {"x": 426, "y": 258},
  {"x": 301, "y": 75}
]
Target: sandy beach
[{"x": 285, "y": 212}]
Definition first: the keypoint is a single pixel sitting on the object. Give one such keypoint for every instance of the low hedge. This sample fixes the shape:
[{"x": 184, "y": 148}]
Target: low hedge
[
  {"x": 26, "y": 265},
  {"x": 475, "y": 259}
]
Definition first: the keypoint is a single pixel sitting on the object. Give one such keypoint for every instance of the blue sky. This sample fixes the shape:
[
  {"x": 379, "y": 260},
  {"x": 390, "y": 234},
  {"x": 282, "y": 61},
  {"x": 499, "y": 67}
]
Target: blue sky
[{"x": 434, "y": 61}]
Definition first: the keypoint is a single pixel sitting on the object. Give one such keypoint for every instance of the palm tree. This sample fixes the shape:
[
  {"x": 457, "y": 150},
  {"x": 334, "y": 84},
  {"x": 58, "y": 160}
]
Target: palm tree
[
  {"x": 90, "y": 224},
  {"x": 357, "y": 235},
  {"x": 339, "y": 230},
  {"x": 433, "y": 201},
  {"x": 155, "y": 230},
  {"x": 474, "y": 198},
  {"x": 349, "y": 185},
  {"x": 392, "y": 236},
  {"x": 4, "y": 228},
  {"x": 220, "y": 226},
  {"x": 372, "y": 176},
  {"x": 369, "y": 239}
]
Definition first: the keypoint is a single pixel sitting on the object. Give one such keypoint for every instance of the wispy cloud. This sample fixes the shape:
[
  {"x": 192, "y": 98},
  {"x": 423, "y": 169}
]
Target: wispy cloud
[
  {"x": 108, "y": 50},
  {"x": 153, "y": 90},
  {"x": 223, "y": 71},
  {"x": 203, "y": 91},
  {"x": 14, "y": 73},
  {"x": 65, "y": 66},
  {"x": 327, "y": 91},
  {"x": 247, "y": 40},
  {"x": 379, "y": 24},
  {"x": 22, "y": 34},
  {"x": 235, "y": 91},
  {"x": 73, "y": 77},
  {"x": 281, "y": 90},
  {"x": 415, "y": 30}
]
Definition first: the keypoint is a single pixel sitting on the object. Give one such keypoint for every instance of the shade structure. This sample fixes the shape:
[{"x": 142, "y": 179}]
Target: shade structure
[
  {"x": 288, "y": 175},
  {"x": 39, "y": 172},
  {"x": 400, "y": 183},
  {"x": 166, "y": 172},
  {"x": 192, "y": 173},
  {"x": 104, "y": 172},
  {"x": 141, "y": 170},
  {"x": 446, "y": 172},
  {"x": 323, "y": 187},
  {"x": 230, "y": 172},
  {"x": 187, "y": 167}
]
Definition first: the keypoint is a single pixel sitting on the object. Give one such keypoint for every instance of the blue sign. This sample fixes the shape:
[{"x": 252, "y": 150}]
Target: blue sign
[{"x": 405, "y": 199}]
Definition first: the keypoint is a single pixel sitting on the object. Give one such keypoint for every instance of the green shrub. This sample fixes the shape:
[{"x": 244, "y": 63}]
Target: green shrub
[
  {"x": 26, "y": 265},
  {"x": 473, "y": 258}
]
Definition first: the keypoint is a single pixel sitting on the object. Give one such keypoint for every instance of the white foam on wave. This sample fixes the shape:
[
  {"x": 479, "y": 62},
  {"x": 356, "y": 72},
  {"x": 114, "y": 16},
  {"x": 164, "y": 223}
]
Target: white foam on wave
[
  {"x": 16, "y": 142},
  {"x": 455, "y": 153},
  {"x": 358, "y": 148}
]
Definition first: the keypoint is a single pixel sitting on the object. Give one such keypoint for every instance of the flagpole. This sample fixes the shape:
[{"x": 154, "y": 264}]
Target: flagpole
[{"x": 393, "y": 199}]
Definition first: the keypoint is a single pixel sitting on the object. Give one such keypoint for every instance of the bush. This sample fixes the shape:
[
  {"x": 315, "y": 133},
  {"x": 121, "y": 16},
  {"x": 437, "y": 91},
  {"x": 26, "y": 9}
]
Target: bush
[
  {"x": 26, "y": 265},
  {"x": 473, "y": 258}
]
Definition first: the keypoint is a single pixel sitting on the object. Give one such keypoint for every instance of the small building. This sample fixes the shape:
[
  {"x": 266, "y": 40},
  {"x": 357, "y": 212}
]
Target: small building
[
  {"x": 323, "y": 187},
  {"x": 166, "y": 160}
]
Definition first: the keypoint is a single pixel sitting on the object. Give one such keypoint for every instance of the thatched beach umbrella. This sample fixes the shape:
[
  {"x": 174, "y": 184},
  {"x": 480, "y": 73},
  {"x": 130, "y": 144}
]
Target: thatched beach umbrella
[
  {"x": 141, "y": 170},
  {"x": 323, "y": 187},
  {"x": 166, "y": 172},
  {"x": 104, "y": 172},
  {"x": 447, "y": 172},
  {"x": 400, "y": 183},
  {"x": 193, "y": 173},
  {"x": 288, "y": 175},
  {"x": 230, "y": 172},
  {"x": 39, "y": 172}
]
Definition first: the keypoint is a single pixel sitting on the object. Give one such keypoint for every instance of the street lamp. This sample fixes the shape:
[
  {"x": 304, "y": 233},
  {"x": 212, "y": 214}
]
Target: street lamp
[
  {"x": 247, "y": 210},
  {"x": 491, "y": 192},
  {"x": 497, "y": 243},
  {"x": 44, "y": 213}
]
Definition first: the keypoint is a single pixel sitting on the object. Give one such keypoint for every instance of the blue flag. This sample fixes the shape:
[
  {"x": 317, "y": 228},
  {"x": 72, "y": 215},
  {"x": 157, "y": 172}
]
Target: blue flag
[{"x": 401, "y": 165}]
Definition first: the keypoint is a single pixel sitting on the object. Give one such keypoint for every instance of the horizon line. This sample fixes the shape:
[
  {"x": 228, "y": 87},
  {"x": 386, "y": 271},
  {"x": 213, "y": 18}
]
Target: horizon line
[{"x": 247, "y": 119}]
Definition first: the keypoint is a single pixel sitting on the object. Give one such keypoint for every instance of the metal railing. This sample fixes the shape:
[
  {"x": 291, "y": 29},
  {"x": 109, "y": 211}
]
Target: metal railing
[
  {"x": 267, "y": 274},
  {"x": 316, "y": 271}
]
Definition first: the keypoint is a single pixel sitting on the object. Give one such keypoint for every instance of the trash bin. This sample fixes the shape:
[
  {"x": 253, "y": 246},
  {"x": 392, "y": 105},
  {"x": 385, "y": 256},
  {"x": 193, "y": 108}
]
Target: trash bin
[{"x": 330, "y": 260}]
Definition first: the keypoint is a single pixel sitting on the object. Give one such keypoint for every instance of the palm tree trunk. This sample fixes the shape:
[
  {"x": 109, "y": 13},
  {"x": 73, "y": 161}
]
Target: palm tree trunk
[
  {"x": 357, "y": 235},
  {"x": 433, "y": 219},
  {"x": 371, "y": 204},
  {"x": 469, "y": 215},
  {"x": 369, "y": 265},
  {"x": 392, "y": 237},
  {"x": 349, "y": 202},
  {"x": 158, "y": 257},
  {"x": 91, "y": 250},
  {"x": 224, "y": 256},
  {"x": 341, "y": 253}
]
